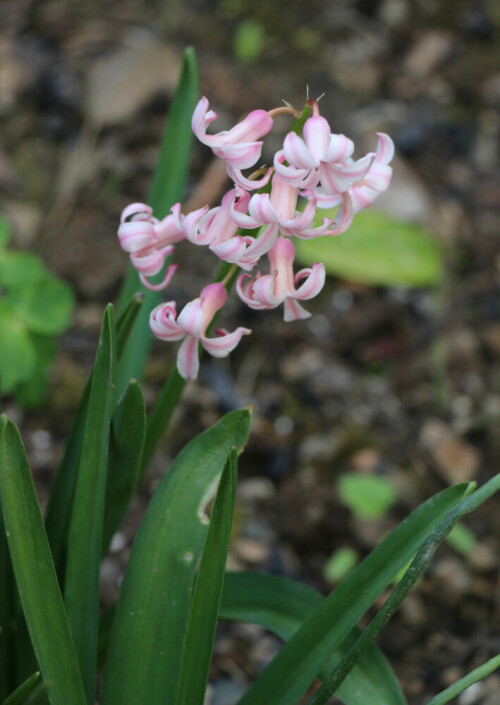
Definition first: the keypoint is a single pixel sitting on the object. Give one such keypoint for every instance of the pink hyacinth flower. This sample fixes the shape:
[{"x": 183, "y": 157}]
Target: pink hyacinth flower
[
  {"x": 240, "y": 146},
  {"x": 279, "y": 208},
  {"x": 321, "y": 156},
  {"x": 191, "y": 325},
  {"x": 148, "y": 241},
  {"x": 280, "y": 286},
  {"x": 378, "y": 177}
]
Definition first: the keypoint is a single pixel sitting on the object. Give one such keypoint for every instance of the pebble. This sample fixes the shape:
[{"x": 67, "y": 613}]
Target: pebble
[{"x": 455, "y": 458}]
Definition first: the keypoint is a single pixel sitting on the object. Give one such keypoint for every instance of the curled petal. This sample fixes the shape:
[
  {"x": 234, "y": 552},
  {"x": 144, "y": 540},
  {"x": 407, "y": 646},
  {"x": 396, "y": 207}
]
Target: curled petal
[
  {"x": 253, "y": 127},
  {"x": 339, "y": 149},
  {"x": 190, "y": 318},
  {"x": 149, "y": 263},
  {"x": 246, "y": 291},
  {"x": 162, "y": 285},
  {"x": 314, "y": 281},
  {"x": 344, "y": 217},
  {"x": 163, "y": 324},
  {"x": 261, "y": 210},
  {"x": 137, "y": 211},
  {"x": 188, "y": 361},
  {"x": 136, "y": 235},
  {"x": 294, "y": 176},
  {"x": 297, "y": 153},
  {"x": 231, "y": 250},
  {"x": 168, "y": 230},
  {"x": 225, "y": 343},
  {"x": 303, "y": 220},
  {"x": 385, "y": 148},
  {"x": 242, "y": 155},
  {"x": 213, "y": 297},
  {"x": 337, "y": 178},
  {"x": 248, "y": 184},
  {"x": 317, "y": 137},
  {"x": 293, "y": 311}
]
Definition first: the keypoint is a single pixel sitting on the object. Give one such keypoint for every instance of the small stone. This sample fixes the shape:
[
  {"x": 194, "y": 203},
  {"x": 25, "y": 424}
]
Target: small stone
[
  {"x": 427, "y": 53},
  {"x": 251, "y": 551},
  {"x": 456, "y": 459},
  {"x": 123, "y": 82}
]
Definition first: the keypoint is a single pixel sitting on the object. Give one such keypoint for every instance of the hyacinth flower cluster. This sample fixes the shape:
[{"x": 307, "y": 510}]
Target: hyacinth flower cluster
[{"x": 258, "y": 217}]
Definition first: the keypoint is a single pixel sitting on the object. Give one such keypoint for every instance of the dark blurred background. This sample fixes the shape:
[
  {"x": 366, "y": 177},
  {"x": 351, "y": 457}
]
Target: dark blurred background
[{"x": 397, "y": 384}]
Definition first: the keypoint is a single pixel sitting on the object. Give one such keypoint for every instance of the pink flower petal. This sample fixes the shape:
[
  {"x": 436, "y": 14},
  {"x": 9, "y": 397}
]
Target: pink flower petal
[
  {"x": 297, "y": 153},
  {"x": 293, "y": 311},
  {"x": 137, "y": 211},
  {"x": 224, "y": 344},
  {"x": 188, "y": 362},
  {"x": 314, "y": 281},
  {"x": 261, "y": 210},
  {"x": 317, "y": 137},
  {"x": 213, "y": 297},
  {"x": 339, "y": 149},
  {"x": 162, "y": 322},
  {"x": 162, "y": 285},
  {"x": 242, "y": 155},
  {"x": 190, "y": 318},
  {"x": 135, "y": 235},
  {"x": 248, "y": 184},
  {"x": 385, "y": 148}
]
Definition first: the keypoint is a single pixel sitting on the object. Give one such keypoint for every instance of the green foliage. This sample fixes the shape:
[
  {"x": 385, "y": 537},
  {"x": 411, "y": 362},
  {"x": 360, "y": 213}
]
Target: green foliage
[
  {"x": 473, "y": 677},
  {"x": 462, "y": 539},
  {"x": 340, "y": 564},
  {"x": 248, "y": 41},
  {"x": 283, "y": 606},
  {"x": 377, "y": 250},
  {"x": 35, "y": 306},
  {"x": 368, "y": 496}
]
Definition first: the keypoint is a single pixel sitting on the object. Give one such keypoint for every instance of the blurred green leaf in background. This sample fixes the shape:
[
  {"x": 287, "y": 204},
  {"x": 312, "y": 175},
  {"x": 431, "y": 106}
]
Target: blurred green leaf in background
[
  {"x": 35, "y": 306},
  {"x": 377, "y": 249}
]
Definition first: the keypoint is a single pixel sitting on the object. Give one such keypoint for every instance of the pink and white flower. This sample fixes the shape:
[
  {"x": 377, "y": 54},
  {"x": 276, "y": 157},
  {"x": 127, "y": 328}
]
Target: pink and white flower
[
  {"x": 149, "y": 242},
  {"x": 320, "y": 157},
  {"x": 280, "y": 286},
  {"x": 191, "y": 325},
  {"x": 279, "y": 208}
]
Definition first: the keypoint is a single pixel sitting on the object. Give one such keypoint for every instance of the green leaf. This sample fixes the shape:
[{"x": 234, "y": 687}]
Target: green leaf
[
  {"x": 20, "y": 269},
  {"x": 282, "y": 606},
  {"x": 340, "y": 564},
  {"x": 85, "y": 535},
  {"x": 63, "y": 489},
  {"x": 168, "y": 186},
  {"x": 17, "y": 352},
  {"x": 248, "y": 41},
  {"x": 417, "y": 568},
  {"x": 45, "y": 306},
  {"x": 32, "y": 391},
  {"x": 7, "y": 611},
  {"x": 4, "y": 232},
  {"x": 473, "y": 677},
  {"x": 23, "y": 692},
  {"x": 367, "y": 496},
  {"x": 148, "y": 632},
  {"x": 376, "y": 250},
  {"x": 35, "y": 573},
  {"x": 128, "y": 429},
  {"x": 161, "y": 414},
  {"x": 308, "y": 649},
  {"x": 202, "y": 621},
  {"x": 462, "y": 539}
]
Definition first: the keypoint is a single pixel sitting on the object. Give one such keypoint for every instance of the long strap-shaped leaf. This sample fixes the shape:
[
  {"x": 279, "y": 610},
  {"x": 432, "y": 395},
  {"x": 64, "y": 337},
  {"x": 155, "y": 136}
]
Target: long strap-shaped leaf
[
  {"x": 128, "y": 428},
  {"x": 7, "y": 609},
  {"x": 309, "y": 648},
  {"x": 61, "y": 498},
  {"x": 85, "y": 536},
  {"x": 168, "y": 186},
  {"x": 202, "y": 622},
  {"x": 35, "y": 573},
  {"x": 412, "y": 575},
  {"x": 24, "y": 691},
  {"x": 148, "y": 632},
  {"x": 282, "y": 606},
  {"x": 473, "y": 677}
]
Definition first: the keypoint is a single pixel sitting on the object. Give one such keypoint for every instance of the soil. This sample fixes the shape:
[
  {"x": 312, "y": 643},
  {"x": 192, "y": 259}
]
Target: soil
[{"x": 402, "y": 384}]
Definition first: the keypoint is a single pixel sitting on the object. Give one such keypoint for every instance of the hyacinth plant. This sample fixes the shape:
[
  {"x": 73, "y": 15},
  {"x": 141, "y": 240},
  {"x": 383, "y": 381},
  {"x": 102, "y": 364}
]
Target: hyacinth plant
[{"x": 154, "y": 646}]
